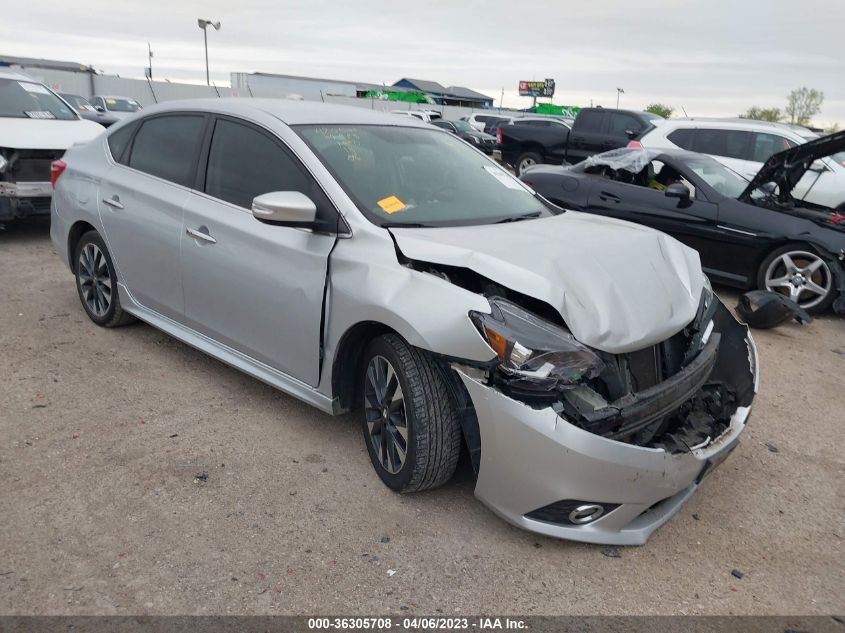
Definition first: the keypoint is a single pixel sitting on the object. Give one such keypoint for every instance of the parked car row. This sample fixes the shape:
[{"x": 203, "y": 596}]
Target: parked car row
[{"x": 584, "y": 362}]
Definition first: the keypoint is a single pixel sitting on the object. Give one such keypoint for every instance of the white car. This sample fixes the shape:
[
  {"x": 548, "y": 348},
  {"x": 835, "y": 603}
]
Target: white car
[
  {"x": 426, "y": 116},
  {"x": 119, "y": 107},
  {"x": 481, "y": 121},
  {"x": 36, "y": 127},
  {"x": 744, "y": 145}
]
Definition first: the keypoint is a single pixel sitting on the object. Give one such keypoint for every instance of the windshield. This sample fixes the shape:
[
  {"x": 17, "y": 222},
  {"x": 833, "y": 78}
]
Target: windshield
[
  {"x": 413, "y": 176},
  {"x": 715, "y": 174},
  {"x": 116, "y": 104},
  {"x": 31, "y": 100},
  {"x": 463, "y": 126},
  {"x": 80, "y": 103}
]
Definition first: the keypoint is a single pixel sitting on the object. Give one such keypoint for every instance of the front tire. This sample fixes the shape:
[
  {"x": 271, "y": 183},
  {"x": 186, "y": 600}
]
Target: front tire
[
  {"x": 799, "y": 273},
  {"x": 96, "y": 282},
  {"x": 410, "y": 422}
]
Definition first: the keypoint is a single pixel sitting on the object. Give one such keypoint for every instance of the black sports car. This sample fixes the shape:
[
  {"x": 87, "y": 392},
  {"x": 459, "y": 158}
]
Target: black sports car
[{"x": 749, "y": 235}]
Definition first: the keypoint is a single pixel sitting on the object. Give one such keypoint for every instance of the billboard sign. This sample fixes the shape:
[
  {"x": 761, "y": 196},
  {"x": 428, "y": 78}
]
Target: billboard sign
[{"x": 537, "y": 88}]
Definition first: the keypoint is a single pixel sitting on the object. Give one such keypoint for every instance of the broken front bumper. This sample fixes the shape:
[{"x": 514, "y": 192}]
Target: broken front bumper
[
  {"x": 25, "y": 189},
  {"x": 535, "y": 460}
]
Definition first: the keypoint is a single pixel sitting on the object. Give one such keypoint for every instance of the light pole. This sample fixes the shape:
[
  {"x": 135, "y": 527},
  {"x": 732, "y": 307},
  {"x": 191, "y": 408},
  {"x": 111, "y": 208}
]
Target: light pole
[
  {"x": 204, "y": 24},
  {"x": 619, "y": 91}
]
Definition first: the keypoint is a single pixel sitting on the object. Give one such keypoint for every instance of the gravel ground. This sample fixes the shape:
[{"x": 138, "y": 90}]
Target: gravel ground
[{"x": 105, "y": 431}]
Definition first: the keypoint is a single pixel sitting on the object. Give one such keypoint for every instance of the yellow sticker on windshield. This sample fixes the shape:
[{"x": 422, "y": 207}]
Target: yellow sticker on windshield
[
  {"x": 391, "y": 204},
  {"x": 111, "y": 101}
]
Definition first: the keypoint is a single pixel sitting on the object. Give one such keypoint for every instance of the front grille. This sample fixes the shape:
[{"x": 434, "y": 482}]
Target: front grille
[{"x": 32, "y": 165}]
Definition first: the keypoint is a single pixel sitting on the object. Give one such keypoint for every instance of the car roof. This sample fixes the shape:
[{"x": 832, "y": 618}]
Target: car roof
[
  {"x": 11, "y": 74},
  {"x": 738, "y": 123},
  {"x": 291, "y": 112}
]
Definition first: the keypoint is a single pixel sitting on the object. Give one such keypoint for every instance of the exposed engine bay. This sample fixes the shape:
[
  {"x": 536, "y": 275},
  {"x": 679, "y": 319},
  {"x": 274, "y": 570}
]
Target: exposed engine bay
[{"x": 677, "y": 395}]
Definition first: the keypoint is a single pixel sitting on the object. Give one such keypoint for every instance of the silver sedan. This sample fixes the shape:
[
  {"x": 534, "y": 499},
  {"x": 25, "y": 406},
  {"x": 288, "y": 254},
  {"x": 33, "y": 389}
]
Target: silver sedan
[{"x": 360, "y": 260}]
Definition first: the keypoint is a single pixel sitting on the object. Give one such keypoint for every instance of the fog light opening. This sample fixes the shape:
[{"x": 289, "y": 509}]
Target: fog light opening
[{"x": 586, "y": 513}]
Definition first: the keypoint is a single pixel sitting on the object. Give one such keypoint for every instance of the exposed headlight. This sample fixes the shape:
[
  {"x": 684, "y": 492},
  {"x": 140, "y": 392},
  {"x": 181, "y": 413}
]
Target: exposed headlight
[
  {"x": 475, "y": 139},
  {"x": 533, "y": 349}
]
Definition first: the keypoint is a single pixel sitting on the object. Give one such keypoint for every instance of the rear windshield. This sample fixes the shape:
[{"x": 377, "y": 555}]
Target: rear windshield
[{"x": 31, "y": 100}]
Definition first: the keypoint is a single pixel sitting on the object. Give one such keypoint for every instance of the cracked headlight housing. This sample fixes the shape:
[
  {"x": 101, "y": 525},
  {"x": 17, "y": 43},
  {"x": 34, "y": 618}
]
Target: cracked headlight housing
[{"x": 537, "y": 354}]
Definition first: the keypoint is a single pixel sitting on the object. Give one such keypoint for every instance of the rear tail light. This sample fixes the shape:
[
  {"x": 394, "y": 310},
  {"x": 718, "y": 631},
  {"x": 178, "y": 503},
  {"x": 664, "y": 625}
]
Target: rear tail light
[
  {"x": 499, "y": 135},
  {"x": 634, "y": 145},
  {"x": 56, "y": 169}
]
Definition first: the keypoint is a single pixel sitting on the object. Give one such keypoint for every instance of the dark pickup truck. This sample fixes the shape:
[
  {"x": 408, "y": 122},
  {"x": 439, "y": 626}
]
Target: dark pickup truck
[{"x": 595, "y": 130}]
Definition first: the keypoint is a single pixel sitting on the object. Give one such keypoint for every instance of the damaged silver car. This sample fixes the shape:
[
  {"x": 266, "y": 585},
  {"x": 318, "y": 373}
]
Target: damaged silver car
[{"x": 357, "y": 260}]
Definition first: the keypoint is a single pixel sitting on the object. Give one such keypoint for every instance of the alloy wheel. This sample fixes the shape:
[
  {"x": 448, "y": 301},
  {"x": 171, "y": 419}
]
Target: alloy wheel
[
  {"x": 384, "y": 408},
  {"x": 94, "y": 280},
  {"x": 525, "y": 163},
  {"x": 802, "y": 276}
]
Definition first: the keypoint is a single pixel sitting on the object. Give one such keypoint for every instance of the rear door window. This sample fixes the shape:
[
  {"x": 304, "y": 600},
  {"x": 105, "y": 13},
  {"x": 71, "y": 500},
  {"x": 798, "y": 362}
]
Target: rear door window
[
  {"x": 589, "y": 121},
  {"x": 727, "y": 143},
  {"x": 167, "y": 147},
  {"x": 767, "y": 144}
]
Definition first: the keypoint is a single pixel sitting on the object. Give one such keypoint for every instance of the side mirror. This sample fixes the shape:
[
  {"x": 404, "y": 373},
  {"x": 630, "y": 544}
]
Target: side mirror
[
  {"x": 99, "y": 108},
  {"x": 285, "y": 208},
  {"x": 818, "y": 166},
  {"x": 678, "y": 190}
]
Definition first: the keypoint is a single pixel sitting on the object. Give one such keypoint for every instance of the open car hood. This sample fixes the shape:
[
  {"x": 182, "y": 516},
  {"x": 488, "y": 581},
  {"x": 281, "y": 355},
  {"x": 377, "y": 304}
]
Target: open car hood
[
  {"x": 619, "y": 287},
  {"x": 786, "y": 168}
]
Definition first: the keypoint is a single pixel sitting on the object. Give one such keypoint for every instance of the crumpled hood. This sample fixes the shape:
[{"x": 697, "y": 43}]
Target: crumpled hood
[
  {"x": 619, "y": 287},
  {"x": 16, "y": 133}
]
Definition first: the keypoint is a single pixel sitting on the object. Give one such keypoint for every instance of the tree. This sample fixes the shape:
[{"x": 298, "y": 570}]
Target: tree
[
  {"x": 802, "y": 103},
  {"x": 763, "y": 114},
  {"x": 660, "y": 109}
]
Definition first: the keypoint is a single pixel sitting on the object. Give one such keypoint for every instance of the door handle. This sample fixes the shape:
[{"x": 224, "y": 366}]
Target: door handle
[
  {"x": 608, "y": 197},
  {"x": 201, "y": 235},
  {"x": 114, "y": 201}
]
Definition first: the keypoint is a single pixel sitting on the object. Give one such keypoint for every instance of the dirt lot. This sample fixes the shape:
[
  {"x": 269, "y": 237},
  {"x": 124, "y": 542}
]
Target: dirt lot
[{"x": 104, "y": 432}]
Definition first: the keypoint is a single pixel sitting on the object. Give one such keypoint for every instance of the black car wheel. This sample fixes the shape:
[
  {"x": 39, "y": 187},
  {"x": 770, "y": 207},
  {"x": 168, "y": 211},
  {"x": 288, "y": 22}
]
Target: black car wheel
[
  {"x": 411, "y": 424},
  {"x": 801, "y": 274},
  {"x": 526, "y": 160},
  {"x": 96, "y": 282}
]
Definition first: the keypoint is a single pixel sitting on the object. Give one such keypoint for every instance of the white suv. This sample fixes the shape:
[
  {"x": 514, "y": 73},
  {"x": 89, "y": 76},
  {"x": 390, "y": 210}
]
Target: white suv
[{"x": 744, "y": 145}]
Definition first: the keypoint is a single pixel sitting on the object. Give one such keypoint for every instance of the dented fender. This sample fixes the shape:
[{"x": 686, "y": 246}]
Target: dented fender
[{"x": 367, "y": 284}]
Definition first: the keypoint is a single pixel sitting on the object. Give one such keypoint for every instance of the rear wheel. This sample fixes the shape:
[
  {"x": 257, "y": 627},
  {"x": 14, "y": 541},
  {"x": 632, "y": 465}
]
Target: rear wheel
[
  {"x": 96, "y": 282},
  {"x": 527, "y": 160},
  {"x": 411, "y": 425},
  {"x": 800, "y": 274}
]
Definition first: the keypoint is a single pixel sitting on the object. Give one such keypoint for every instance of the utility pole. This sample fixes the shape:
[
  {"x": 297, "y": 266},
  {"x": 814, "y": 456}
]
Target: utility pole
[
  {"x": 150, "y": 59},
  {"x": 619, "y": 91},
  {"x": 204, "y": 24}
]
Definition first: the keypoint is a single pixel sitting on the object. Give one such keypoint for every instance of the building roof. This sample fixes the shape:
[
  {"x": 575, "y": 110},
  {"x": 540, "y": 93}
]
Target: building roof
[
  {"x": 425, "y": 85},
  {"x": 359, "y": 85},
  {"x": 76, "y": 67},
  {"x": 466, "y": 93}
]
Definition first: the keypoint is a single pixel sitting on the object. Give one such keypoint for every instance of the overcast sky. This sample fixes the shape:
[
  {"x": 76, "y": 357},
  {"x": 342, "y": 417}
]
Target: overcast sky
[{"x": 709, "y": 57}]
